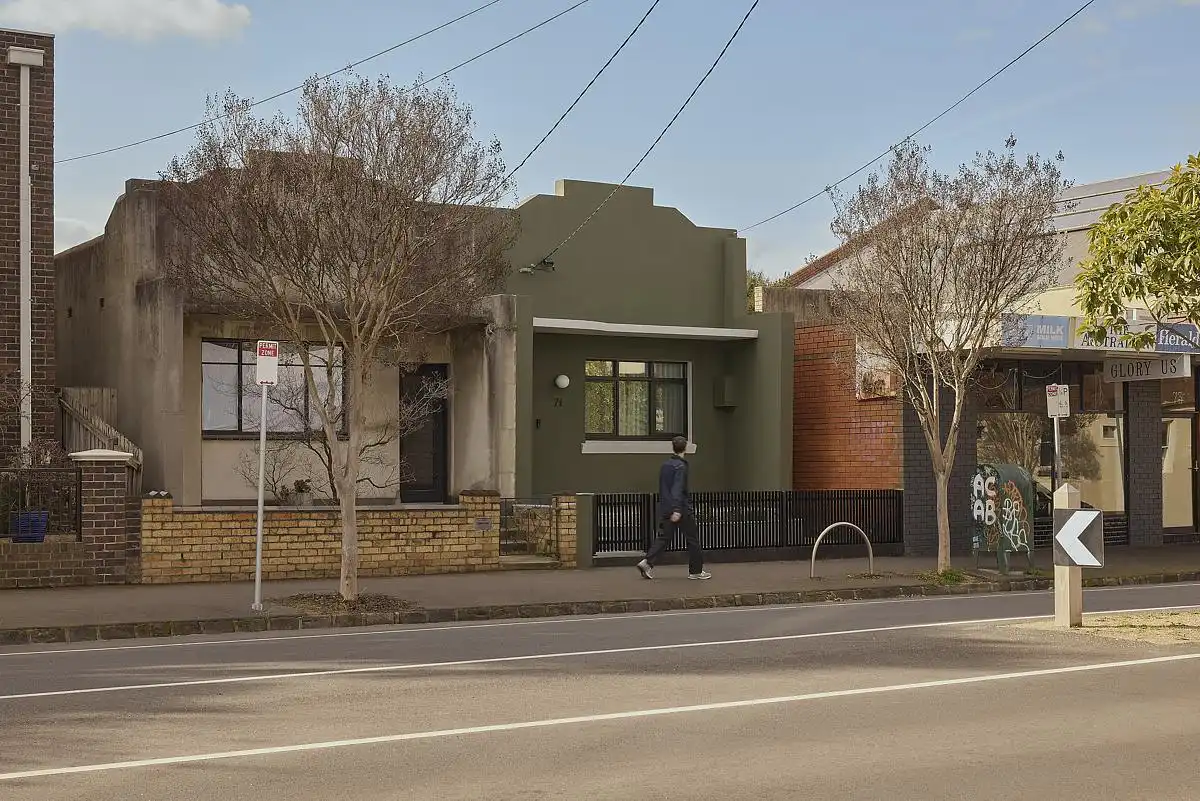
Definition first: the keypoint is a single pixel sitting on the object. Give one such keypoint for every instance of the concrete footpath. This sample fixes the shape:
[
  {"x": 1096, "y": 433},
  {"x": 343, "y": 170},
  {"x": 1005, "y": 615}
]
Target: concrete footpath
[{"x": 118, "y": 612}]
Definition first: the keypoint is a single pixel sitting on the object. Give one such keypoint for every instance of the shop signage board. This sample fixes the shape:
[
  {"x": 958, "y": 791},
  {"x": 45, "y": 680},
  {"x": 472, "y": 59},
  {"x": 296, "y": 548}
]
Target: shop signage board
[
  {"x": 1035, "y": 331},
  {"x": 1113, "y": 340},
  {"x": 1177, "y": 338},
  {"x": 1154, "y": 368}
]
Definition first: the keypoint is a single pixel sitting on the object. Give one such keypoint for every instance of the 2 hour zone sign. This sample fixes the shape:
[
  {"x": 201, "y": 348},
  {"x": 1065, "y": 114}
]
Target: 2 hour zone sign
[{"x": 266, "y": 368}]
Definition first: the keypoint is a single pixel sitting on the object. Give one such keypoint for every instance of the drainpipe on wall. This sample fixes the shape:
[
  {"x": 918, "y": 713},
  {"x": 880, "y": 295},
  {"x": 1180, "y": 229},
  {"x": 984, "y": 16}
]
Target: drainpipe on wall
[{"x": 26, "y": 58}]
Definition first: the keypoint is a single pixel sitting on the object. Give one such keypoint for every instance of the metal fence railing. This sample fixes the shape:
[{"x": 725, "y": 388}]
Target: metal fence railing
[
  {"x": 626, "y": 522},
  {"x": 528, "y": 527},
  {"x": 40, "y": 502},
  {"x": 1116, "y": 531}
]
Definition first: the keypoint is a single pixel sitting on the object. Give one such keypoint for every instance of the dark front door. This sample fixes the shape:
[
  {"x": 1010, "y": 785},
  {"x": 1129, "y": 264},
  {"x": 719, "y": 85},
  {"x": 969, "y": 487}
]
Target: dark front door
[{"x": 424, "y": 450}]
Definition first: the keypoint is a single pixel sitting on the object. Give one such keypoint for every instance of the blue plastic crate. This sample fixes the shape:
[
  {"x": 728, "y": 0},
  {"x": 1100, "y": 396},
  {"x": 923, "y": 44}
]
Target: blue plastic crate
[{"x": 28, "y": 526}]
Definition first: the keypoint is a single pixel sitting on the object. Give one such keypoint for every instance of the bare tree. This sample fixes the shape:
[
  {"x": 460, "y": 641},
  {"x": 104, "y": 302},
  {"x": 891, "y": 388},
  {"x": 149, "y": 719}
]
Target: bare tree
[
  {"x": 39, "y": 452},
  {"x": 935, "y": 262},
  {"x": 1017, "y": 437},
  {"x": 285, "y": 461},
  {"x": 354, "y": 232},
  {"x": 282, "y": 468}
]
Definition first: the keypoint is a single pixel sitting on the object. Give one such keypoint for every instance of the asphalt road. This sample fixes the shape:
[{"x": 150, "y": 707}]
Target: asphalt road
[{"x": 924, "y": 699}]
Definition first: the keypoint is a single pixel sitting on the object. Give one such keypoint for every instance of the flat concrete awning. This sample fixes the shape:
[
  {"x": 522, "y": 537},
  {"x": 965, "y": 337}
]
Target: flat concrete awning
[{"x": 553, "y": 325}]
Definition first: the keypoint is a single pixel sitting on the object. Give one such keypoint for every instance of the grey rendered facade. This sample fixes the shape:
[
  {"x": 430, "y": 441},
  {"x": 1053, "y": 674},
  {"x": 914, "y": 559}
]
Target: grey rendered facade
[{"x": 639, "y": 288}]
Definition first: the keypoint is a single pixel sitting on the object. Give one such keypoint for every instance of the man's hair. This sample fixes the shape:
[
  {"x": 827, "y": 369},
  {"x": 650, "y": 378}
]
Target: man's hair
[{"x": 679, "y": 445}]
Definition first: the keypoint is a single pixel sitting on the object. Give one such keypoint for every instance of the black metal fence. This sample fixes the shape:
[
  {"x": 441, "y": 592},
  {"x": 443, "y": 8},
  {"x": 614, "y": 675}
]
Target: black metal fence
[
  {"x": 626, "y": 522},
  {"x": 40, "y": 502},
  {"x": 1116, "y": 531},
  {"x": 528, "y": 527}
]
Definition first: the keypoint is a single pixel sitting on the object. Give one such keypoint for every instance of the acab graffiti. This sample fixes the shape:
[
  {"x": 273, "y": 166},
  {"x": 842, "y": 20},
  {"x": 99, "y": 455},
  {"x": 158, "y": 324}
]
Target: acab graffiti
[{"x": 1000, "y": 509}]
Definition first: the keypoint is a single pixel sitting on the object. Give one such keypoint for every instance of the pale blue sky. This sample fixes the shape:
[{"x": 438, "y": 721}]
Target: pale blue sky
[{"x": 810, "y": 90}]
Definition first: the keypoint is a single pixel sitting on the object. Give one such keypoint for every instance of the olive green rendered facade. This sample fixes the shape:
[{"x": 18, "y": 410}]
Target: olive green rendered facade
[{"x": 641, "y": 284}]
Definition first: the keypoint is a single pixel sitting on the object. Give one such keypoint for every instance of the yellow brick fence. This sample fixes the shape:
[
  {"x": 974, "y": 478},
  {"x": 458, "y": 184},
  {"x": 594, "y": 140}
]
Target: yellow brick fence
[{"x": 211, "y": 544}]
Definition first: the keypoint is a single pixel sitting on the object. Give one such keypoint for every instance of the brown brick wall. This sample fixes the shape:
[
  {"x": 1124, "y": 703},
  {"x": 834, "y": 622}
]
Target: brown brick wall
[
  {"x": 105, "y": 523},
  {"x": 41, "y": 128},
  {"x": 53, "y": 563},
  {"x": 191, "y": 546},
  {"x": 840, "y": 442},
  {"x": 101, "y": 554}
]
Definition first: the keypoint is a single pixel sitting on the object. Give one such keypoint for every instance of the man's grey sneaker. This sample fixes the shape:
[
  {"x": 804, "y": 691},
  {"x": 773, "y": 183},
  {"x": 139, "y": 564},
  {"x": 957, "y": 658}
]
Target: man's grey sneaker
[
  {"x": 644, "y": 568},
  {"x": 703, "y": 575}
]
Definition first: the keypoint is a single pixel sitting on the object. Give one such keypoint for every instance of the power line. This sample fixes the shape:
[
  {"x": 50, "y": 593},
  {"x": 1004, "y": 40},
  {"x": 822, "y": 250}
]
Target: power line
[
  {"x": 286, "y": 92},
  {"x": 590, "y": 83},
  {"x": 661, "y": 134},
  {"x": 509, "y": 40},
  {"x": 494, "y": 48},
  {"x": 918, "y": 131}
]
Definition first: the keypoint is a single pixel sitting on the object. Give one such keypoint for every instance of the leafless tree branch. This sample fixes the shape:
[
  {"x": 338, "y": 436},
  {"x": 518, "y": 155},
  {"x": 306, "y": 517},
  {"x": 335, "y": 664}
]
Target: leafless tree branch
[{"x": 367, "y": 223}]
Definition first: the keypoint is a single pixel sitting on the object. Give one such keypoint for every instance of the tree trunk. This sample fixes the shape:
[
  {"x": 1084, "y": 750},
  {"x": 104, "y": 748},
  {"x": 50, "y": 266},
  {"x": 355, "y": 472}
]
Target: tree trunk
[
  {"x": 348, "y": 586},
  {"x": 942, "y": 480},
  {"x": 347, "y": 485}
]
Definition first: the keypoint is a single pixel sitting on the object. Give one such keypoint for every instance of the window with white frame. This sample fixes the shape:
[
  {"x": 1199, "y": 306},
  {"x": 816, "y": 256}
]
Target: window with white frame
[
  {"x": 635, "y": 400},
  {"x": 230, "y": 399}
]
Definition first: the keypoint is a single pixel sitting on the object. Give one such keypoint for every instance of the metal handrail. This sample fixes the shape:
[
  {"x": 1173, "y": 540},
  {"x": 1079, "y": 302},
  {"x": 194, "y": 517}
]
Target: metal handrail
[{"x": 812, "y": 570}]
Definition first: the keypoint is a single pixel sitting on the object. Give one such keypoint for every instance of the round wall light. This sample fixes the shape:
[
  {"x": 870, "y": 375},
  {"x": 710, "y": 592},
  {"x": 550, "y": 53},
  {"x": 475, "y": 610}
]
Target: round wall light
[{"x": 562, "y": 382}]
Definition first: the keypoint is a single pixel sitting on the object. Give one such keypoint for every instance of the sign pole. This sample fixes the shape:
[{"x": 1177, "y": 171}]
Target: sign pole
[
  {"x": 1057, "y": 454},
  {"x": 1068, "y": 579},
  {"x": 1058, "y": 406},
  {"x": 262, "y": 475},
  {"x": 266, "y": 369}
]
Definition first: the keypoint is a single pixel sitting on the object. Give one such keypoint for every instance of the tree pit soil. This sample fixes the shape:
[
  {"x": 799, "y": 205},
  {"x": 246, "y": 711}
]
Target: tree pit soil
[{"x": 331, "y": 603}]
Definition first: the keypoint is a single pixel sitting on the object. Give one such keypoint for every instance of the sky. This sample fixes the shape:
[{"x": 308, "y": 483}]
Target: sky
[{"x": 809, "y": 91}]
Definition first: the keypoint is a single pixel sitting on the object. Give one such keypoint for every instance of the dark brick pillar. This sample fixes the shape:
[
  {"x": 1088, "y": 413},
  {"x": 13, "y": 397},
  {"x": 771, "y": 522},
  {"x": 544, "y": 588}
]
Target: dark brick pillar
[
  {"x": 104, "y": 508},
  {"x": 920, "y": 490},
  {"x": 1144, "y": 462},
  {"x": 41, "y": 164}
]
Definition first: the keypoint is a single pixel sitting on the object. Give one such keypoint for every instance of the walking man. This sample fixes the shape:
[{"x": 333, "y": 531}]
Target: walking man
[{"x": 675, "y": 514}]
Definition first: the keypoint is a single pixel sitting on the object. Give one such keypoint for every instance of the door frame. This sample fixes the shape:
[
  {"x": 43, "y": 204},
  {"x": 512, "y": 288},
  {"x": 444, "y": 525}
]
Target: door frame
[{"x": 439, "y": 491}]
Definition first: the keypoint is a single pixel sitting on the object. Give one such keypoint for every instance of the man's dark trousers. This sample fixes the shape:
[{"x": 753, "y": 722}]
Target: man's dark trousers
[{"x": 691, "y": 535}]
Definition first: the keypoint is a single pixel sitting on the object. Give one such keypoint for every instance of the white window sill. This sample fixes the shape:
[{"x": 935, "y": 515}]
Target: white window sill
[{"x": 631, "y": 446}]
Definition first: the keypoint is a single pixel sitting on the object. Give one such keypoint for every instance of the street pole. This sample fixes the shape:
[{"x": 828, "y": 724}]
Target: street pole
[
  {"x": 1068, "y": 580},
  {"x": 1058, "y": 476},
  {"x": 266, "y": 375},
  {"x": 26, "y": 58},
  {"x": 262, "y": 475}
]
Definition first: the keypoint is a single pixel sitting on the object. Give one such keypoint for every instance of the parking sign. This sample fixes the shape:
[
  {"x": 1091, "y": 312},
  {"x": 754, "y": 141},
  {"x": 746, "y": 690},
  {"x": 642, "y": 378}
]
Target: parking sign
[{"x": 266, "y": 369}]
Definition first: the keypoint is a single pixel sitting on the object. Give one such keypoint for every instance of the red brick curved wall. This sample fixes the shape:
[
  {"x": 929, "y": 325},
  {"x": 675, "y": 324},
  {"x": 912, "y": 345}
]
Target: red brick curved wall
[{"x": 839, "y": 441}]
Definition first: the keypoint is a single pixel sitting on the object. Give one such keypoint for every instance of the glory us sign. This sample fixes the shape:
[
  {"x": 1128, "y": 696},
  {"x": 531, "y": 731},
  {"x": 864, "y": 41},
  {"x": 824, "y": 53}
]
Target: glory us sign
[{"x": 1150, "y": 369}]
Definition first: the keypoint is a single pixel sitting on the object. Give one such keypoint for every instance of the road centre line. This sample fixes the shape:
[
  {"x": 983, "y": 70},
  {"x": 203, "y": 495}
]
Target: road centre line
[
  {"x": 573, "y": 619},
  {"x": 521, "y": 658},
  {"x": 597, "y": 718}
]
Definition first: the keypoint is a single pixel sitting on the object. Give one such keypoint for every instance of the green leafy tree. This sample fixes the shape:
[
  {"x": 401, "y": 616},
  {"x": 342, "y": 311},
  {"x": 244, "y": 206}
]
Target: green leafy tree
[
  {"x": 755, "y": 279},
  {"x": 1145, "y": 249}
]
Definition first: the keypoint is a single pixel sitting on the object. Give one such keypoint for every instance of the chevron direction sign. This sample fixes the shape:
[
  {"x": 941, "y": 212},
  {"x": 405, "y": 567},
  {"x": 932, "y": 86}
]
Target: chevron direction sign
[{"x": 1079, "y": 537}]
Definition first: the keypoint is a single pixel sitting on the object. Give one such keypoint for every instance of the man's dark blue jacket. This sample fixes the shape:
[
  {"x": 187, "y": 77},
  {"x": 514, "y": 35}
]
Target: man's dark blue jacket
[{"x": 673, "y": 488}]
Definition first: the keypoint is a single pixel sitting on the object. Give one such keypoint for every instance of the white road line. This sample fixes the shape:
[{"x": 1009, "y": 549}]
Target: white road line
[
  {"x": 492, "y": 660},
  {"x": 598, "y": 718},
  {"x": 533, "y": 657},
  {"x": 574, "y": 619}
]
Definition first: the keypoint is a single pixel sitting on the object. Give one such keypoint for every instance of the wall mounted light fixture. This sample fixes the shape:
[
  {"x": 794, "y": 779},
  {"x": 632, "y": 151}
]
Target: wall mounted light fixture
[{"x": 562, "y": 382}]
